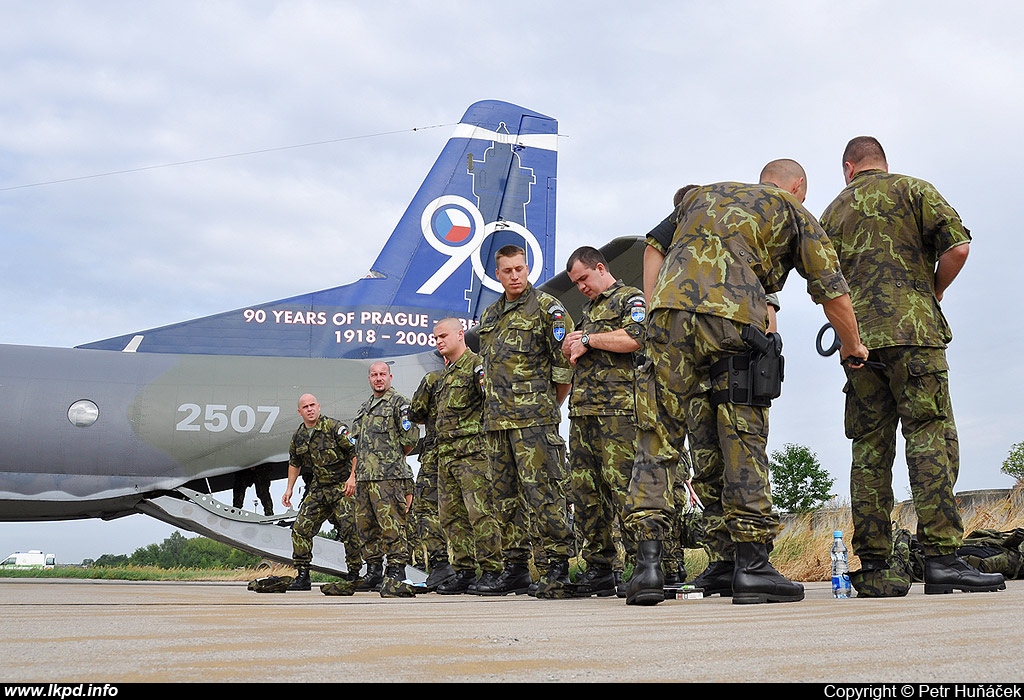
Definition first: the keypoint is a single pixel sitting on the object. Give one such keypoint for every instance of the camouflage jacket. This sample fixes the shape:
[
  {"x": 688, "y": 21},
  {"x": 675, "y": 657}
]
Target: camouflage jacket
[
  {"x": 889, "y": 231},
  {"x": 460, "y": 399},
  {"x": 382, "y": 429},
  {"x": 734, "y": 244},
  {"x": 603, "y": 382},
  {"x": 423, "y": 409},
  {"x": 521, "y": 349},
  {"x": 326, "y": 450}
]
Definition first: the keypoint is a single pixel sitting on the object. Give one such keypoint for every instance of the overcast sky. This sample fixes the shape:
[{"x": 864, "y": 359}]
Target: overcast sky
[{"x": 161, "y": 161}]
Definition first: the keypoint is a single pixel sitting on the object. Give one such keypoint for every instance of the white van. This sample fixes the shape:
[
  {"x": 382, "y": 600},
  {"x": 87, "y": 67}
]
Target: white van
[{"x": 32, "y": 559}]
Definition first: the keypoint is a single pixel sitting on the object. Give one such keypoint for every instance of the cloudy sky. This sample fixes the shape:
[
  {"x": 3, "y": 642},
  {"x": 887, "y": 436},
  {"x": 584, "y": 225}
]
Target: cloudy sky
[{"x": 163, "y": 160}]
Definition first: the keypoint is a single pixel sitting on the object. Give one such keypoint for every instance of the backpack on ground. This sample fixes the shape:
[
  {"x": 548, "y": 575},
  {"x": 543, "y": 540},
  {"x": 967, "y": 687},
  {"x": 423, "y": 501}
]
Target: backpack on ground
[
  {"x": 995, "y": 552},
  {"x": 987, "y": 550}
]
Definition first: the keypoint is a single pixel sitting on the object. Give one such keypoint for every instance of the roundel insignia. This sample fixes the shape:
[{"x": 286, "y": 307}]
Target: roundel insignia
[{"x": 452, "y": 225}]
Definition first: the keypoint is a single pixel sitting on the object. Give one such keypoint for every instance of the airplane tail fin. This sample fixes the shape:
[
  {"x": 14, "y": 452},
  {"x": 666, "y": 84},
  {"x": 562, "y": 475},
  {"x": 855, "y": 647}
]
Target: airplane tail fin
[{"x": 494, "y": 183}]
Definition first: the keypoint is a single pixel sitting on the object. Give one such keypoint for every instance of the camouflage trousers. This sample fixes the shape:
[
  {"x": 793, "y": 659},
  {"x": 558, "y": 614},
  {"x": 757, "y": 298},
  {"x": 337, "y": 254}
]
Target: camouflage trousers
[
  {"x": 912, "y": 391},
  {"x": 382, "y": 520},
  {"x": 325, "y": 504},
  {"x": 348, "y": 534},
  {"x": 467, "y": 502},
  {"x": 681, "y": 536},
  {"x": 728, "y": 443},
  {"x": 601, "y": 452},
  {"x": 343, "y": 518},
  {"x": 425, "y": 511},
  {"x": 530, "y": 479}
]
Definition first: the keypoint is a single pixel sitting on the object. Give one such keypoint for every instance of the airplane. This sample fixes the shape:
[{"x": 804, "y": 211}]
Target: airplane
[{"x": 158, "y": 421}]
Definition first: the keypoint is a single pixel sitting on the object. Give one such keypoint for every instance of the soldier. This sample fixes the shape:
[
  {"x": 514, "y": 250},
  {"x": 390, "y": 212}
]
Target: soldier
[
  {"x": 382, "y": 482},
  {"x": 602, "y": 411},
  {"x": 733, "y": 244},
  {"x": 525, "y": 381},
  {"x": 427, "y": 523},
  {"x": 258, "y": 476},
  {"x": 322, "y": 444},
  {"x": 789, "y": 175},
  {"x": 901, "y": 245},
  {"x": 466, "y": 492}
]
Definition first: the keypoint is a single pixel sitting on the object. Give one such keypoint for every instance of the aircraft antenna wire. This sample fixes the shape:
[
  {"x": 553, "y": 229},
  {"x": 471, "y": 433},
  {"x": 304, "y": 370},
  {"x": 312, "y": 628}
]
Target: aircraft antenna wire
[{"x": 223, "y": 157}]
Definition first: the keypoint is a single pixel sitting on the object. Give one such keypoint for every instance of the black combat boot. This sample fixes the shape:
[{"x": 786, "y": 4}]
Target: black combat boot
[
  {"x": 394, "y": 584},
  {"x": 717, "y": 578},
  {"x": 755, "y": 580},
  {"x": 488, "y": 580},
  {"x": 647, "y": 584},
  {"x": 945, "y": 573},
  {"x": 301, "y": 582},
  {"x": 599, "y": 581},
  {"x": 440, "y": 571},
  {"x": 373, "y": 579},
  {"x": 555, "y": 584},
  {"x": 461, "y": 582},
  {"x": 514, "y": 579}
]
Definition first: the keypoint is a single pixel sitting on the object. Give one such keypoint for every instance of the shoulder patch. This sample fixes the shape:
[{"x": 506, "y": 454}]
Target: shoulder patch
[
  {"x": 343, "y": 432},
  {"x": 557, "y": 321},
  {"x": 637, "y": 308}
]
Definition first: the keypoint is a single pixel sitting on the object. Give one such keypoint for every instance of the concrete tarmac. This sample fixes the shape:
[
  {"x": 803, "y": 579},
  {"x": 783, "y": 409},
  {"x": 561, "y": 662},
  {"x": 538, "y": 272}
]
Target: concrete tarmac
[{"x": 70, "y": 631}]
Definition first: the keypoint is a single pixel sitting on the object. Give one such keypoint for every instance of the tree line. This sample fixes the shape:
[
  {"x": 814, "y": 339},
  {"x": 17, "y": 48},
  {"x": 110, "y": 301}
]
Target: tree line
[{"x": 180, "y": 552}]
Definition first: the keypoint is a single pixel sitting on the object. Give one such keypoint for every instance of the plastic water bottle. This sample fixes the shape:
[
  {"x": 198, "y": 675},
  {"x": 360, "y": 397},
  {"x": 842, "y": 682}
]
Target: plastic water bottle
[{"x": 840, "y": 567}]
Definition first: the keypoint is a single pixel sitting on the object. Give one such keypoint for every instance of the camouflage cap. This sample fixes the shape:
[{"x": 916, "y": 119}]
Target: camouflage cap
[
  {"x": 338, "y": 588},
  {"x": 271, "y": 584}
]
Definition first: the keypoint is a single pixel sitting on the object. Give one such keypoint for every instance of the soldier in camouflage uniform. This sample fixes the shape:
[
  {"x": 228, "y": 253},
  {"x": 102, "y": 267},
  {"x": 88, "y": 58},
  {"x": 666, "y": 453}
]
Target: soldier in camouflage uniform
[
  {"x": 258, "y": 476},
  {"x": 466, "y": 492},
  {"x": 901, "y": 245},
  {"x": 426, "y": 518},
  {"x": 602, "y": 411},
  {"x": 323, "y": 445},
  {"x": 525, "y": 381},
  {"x": 733, "y": 244},
  {"x": 382, "y": 481},
  {"x": 786, "y": 174}
]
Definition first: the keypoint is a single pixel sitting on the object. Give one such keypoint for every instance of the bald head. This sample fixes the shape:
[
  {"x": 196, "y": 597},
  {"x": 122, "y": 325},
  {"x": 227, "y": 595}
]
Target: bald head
[
  {"x": 309, "y": 409},
  {"x": 786, "y": 174}
]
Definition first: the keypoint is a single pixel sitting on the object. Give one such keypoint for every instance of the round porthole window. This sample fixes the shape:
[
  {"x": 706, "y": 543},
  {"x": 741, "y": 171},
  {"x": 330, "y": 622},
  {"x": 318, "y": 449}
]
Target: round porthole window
[{"x": 83, "y": 413}]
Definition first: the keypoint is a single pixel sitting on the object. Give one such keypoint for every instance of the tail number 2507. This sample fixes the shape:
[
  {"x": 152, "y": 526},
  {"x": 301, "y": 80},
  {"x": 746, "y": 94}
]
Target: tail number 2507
[{"x": 216, "y": 418}]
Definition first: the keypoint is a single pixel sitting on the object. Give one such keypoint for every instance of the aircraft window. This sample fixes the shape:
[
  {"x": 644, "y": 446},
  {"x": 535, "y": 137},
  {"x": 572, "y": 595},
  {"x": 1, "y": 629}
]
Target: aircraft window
[{"x": 83, "y": 413}]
